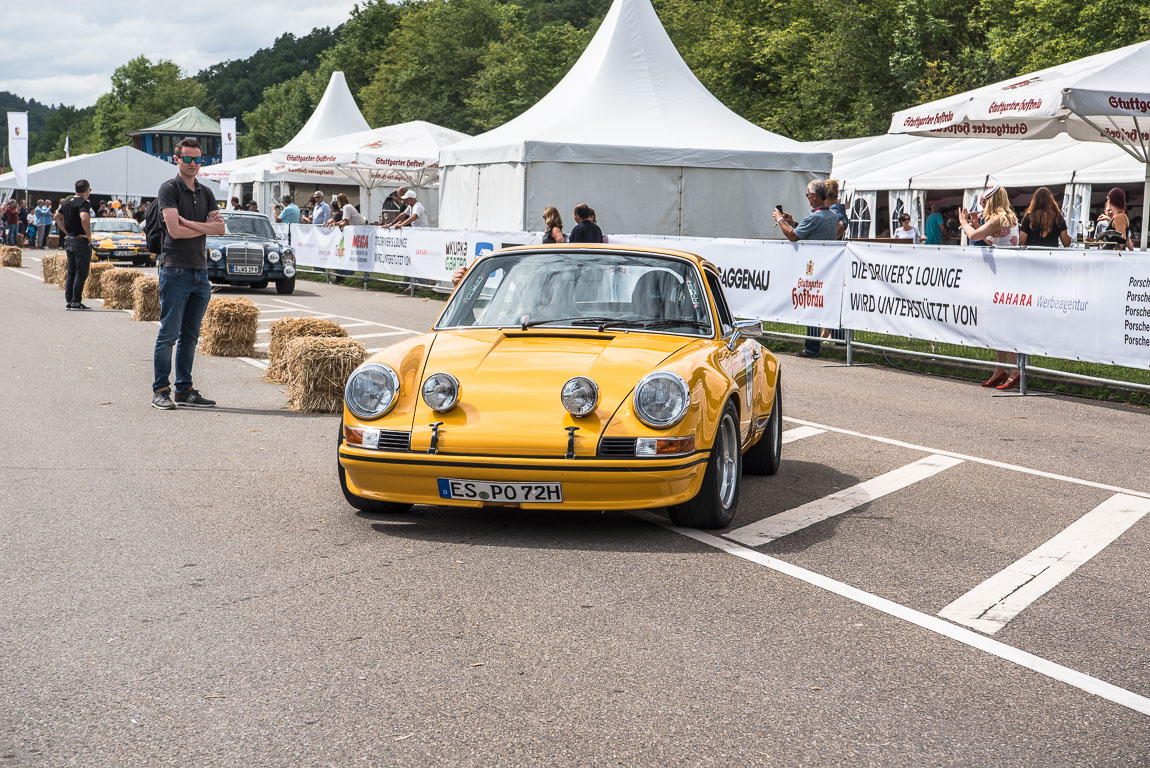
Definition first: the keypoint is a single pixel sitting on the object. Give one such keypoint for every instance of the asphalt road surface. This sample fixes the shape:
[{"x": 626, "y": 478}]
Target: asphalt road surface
[{"x": 935, "y": 577}]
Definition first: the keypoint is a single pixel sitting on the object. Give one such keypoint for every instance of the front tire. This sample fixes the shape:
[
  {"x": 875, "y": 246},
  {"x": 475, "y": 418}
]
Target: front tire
[
  {"x": 715, "y": 504},
  {"x": 373, "y": 506},
  {"x": 285, "y": 286},
  {"x": 766, "y": 455}
]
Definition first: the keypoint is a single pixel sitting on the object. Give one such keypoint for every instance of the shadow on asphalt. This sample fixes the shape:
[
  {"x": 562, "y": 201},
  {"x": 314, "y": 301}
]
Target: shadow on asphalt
[
  {"x": 797, "y": 483},
  {"x": 264, "y": 412}
]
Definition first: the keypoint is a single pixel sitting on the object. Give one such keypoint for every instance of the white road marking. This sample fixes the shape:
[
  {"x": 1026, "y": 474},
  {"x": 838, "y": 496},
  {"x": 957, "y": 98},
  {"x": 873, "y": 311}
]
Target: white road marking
[
  {"x": 265, "y": 310},
  {"x": 357, "y": 325},
  {"x": 290, "y": 303},
  {"x": 974, "y": 459},
  {"x": 775, "y": 527},
  {"x": 36, "y": 259},
  {"x": 1050, "y": 669},
  {"x": 993, "y": 603},
  {"x": 377, "y": 335},
  {"x": 261, "y": 364},
  {"x": 798, "y": 433},
  {"x": 20, "y": 271}
]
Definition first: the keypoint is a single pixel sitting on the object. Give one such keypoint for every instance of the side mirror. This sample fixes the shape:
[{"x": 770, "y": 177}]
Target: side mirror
[{"x": 752, "y": 329}]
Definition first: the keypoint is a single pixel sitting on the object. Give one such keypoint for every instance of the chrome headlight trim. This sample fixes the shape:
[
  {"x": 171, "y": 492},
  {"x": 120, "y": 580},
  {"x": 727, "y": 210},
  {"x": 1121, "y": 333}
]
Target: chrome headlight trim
[
  {"x": 580, "y": 396},
  {"x": 288, "y": 255},
  {"x": 441, "y": 392},
  {"x": 672, "y": 390},
  {"x": 386, "y": 392}
]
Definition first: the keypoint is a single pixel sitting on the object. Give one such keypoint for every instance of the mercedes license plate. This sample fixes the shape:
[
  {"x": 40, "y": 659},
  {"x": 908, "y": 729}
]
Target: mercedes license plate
[
  {"x": 245, "y": 269},
  {"x": 504, "y": 493}
]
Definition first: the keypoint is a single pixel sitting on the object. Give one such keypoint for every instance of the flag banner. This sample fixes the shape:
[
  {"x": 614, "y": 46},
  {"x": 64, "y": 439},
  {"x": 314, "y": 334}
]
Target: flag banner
[
  {"x": 228, "y": 139},
  {"x": 67, "y": 146},
  {"x": 18, "y": 147}
]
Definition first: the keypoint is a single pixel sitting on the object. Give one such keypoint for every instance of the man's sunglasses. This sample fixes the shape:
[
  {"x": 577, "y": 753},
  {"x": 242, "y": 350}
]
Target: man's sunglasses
[{"x": 194, "y": 160}]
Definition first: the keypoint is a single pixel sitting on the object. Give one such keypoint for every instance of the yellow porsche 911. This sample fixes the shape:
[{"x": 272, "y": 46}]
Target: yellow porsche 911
[
  {"x": 570, "y": 377},
  {"x": 119, "y": 240}
]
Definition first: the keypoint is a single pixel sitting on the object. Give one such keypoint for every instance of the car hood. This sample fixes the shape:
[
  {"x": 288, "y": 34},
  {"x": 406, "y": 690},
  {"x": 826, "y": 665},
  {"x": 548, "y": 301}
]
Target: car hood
[
  {"x": 115, "y": 239},
  {"x": 221, "y": 242},
  {"x": 511, "y": 382}
]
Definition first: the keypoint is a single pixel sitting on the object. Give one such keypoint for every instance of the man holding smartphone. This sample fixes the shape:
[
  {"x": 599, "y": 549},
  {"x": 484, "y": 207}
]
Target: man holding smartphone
[
  {"x": 820, "y": 224},
  {"x": 190, "y": 214}
]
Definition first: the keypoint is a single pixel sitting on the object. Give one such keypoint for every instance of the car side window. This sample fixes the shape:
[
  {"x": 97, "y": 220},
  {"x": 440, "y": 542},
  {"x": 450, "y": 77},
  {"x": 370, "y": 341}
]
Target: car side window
[{"x": 725, "y": 318}]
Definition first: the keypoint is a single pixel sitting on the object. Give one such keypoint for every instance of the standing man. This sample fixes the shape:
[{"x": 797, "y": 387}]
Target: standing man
[
  {"x": 75, "y": 220},
  {"x": 290, "y": 212},
  {"x": 820, "y": 224},
  {"x": 415, "y": 215},
  {"x": 935, "y": 227},
  {"x": 190, "y": 214},
  {"x": 585, "y": 230},
  {"x": 321, "y": 211}
]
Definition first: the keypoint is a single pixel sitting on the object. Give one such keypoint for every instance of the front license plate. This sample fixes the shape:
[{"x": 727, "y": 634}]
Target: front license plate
[
  {"x": 245, "y": 269},
  {"x": 504, "y": 493},
  {"x": 125, "y": 253}
]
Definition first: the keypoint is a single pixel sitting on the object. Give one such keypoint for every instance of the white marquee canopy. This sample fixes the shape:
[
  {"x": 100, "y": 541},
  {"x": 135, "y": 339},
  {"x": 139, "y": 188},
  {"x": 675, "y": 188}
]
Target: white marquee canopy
[{"x": 631, "y": 131}]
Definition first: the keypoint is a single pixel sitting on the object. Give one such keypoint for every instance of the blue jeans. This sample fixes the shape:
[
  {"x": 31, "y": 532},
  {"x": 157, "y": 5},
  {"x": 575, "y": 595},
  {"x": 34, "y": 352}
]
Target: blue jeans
[
  {"x": 184, "y": 296},
  {"x": 11, "y": 238}
]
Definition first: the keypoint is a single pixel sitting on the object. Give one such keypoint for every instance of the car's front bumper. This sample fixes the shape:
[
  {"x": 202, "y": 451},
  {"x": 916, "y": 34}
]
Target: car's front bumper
[{"x": 588, "y": 483}]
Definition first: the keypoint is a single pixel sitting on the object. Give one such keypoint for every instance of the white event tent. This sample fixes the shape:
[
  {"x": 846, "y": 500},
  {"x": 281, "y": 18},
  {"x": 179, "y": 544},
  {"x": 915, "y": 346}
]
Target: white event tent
[
  {"x": 335, "y": 115},
  {"x": 123, "y": 173},
  {"x": 1101, "y": 98},
  {"x": 632, "y": 132},
  {"x": 906, "y": 169},
  {"x": 407, "y": 153}
]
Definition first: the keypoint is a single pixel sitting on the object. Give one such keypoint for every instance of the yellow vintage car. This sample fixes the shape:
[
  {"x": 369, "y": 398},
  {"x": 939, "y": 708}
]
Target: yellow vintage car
[
  {"x": 119, "y": 240},
  {"x": 569, "y": 377}
]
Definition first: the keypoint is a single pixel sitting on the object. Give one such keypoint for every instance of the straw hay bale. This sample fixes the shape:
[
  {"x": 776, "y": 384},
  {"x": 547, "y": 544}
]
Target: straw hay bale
[
  {"x": 317, "y": 369},
  {"x": 54, "y": 241},
  {"x": 118, "y": 288},
  {"x": 287, "y": 328},
  {"x": 146, "y": 298},
  {"x": 229, "y": 327},
  {"x": 93, "y": 288},
  {"x": 52, "y": 265},
  {"x": 10, "y": 256}
]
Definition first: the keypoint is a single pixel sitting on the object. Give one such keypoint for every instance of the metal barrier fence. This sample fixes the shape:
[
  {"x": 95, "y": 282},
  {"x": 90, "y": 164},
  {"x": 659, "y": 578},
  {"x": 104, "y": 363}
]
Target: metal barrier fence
[
  {"x": 1073, "y": 370},
  {"x": 347, "y": 277}
]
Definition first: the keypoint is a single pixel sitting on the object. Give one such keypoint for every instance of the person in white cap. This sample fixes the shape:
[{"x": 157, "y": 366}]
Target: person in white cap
[{"x": 415, "y": 215}]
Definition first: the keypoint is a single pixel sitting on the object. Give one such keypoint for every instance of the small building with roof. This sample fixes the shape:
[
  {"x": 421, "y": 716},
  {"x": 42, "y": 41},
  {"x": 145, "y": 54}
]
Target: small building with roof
[{"x": 160, "y": 140}]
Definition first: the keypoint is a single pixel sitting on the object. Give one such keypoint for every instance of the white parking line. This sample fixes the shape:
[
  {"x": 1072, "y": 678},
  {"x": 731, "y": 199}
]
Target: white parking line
[
  {"x": 377, "y": 335},
  {"x": 20, "y": 271},
  {"x": 1042, "y": 666},
  {"x": 776, "y": 526},
  {"x": 993, "y": 603},
  {"x": 798, "y": 433},
  {"x": 261, "y": 364},
  {"x": 974, "y": 459}
]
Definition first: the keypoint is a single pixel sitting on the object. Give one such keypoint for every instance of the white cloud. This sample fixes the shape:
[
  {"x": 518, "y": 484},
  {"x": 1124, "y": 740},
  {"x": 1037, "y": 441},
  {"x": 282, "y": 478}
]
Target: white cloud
[{"x": 70, "y": 58}]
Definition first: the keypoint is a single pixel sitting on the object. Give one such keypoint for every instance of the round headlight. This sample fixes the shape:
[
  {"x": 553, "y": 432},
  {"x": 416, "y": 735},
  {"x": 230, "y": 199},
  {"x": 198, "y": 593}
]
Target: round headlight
[
  {"x": 288, "y": 255},
  {"x": 580, "y": 396},
  {"x": 215, "y": 254},
  {"x": 273, "y": 256},
  {"x": 441, "y": 392},
  {"x": 371, "y": 391},
  {"x": 662, "y": 399},
  {"x": 289, "y": 270}
]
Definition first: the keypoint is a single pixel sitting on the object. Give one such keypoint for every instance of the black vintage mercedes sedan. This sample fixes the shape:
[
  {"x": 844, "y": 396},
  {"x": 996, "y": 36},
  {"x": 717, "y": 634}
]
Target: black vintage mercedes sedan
[{"x": 248, "y": 254}]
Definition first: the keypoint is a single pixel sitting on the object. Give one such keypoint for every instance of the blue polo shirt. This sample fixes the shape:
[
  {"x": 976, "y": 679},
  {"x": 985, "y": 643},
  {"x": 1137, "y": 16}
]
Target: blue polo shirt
[
  {"x": 934, "y": 229},
  {"x": 290, "y": 214},
  {"x": 819, "y": 224}
]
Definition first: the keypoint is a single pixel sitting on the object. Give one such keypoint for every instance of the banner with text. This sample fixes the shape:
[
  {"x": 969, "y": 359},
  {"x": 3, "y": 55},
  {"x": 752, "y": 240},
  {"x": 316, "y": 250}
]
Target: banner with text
[
  {"x": 18, "y": 147},
  {"x": 769, "y": 279},
  {"x": 1056, "y": 303}
]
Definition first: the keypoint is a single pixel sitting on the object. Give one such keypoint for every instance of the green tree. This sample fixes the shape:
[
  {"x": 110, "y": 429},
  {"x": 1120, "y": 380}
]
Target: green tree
[
  {"x": 362, "y": 42},
  {"x": 519, "y": 70},
  {"x": 142, "y": 94},
  {"x": 283, "y": 111},
  {"x": 433, "y": 55}
]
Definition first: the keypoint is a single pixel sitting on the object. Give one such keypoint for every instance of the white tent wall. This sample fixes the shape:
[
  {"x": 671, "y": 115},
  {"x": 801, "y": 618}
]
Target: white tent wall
[
  {"x": 626, "y": 198},
  {"x": 720, "y": 202},
  {"x": 459, "y": 196},
  {"x": 477, "y": 197}
]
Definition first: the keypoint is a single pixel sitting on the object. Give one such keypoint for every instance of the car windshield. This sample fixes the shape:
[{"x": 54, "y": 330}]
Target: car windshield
[
  {"x": 115, "y": 225},
  {"x": 257, "y": 226},
  {"x": 559, "y": 289}
]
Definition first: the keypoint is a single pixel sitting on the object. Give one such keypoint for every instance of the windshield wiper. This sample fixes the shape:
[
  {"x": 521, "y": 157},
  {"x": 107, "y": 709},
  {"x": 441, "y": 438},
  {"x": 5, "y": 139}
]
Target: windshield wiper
[
  {"x": 580, "y": 320},
  {"x": 672, "y": 323}
]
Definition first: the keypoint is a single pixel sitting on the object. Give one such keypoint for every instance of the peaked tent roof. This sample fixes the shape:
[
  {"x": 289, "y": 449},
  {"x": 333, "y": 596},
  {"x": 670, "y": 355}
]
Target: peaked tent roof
[
  {"x": 406, "y": 152},
  {"x": 335, "y": 115},
  {"x": 119, "y": 172},
  {"x": 189, "y": 121},
  {"x": 632, "y": 100}
]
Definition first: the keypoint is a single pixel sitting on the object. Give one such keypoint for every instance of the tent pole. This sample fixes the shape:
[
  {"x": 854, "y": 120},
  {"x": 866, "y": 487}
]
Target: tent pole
[{"x": 1145, "y": 207}]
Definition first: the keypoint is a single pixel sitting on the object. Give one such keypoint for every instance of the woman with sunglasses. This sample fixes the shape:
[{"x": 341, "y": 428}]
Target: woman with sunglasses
[{"x": 905, "y": 231}]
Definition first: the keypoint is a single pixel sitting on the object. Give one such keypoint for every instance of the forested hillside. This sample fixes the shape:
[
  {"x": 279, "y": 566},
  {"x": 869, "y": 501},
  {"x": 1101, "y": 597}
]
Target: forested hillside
[{"x": 833, "y": 69}]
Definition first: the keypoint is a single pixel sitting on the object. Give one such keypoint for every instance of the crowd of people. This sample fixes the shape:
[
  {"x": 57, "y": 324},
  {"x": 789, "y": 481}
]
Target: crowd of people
[{"x": 29, "y": 224}]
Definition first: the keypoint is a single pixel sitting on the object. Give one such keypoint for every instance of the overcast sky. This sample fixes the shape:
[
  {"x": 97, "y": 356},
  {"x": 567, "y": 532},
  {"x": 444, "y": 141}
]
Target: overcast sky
[{"x": 65, "y": 53}]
